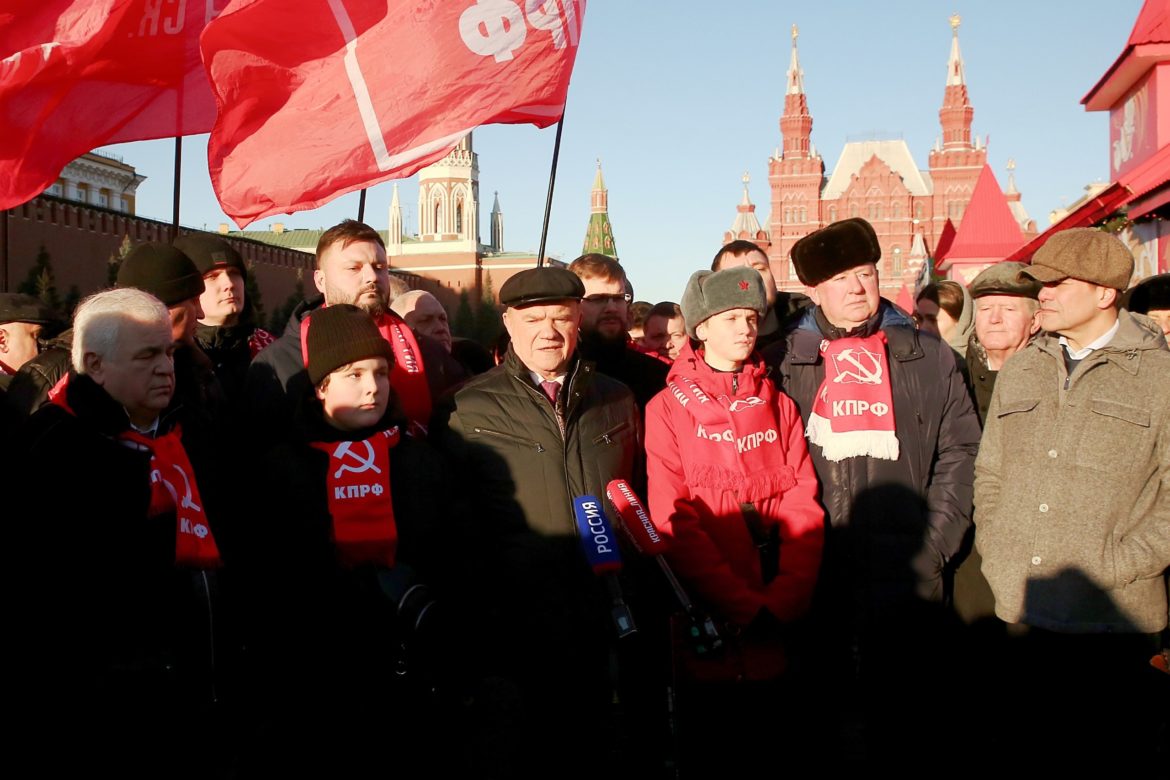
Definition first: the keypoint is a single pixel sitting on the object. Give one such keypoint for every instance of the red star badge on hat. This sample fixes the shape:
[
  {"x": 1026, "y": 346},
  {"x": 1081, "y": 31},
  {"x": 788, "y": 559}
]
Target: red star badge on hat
[{"x": 743, "y": 286}]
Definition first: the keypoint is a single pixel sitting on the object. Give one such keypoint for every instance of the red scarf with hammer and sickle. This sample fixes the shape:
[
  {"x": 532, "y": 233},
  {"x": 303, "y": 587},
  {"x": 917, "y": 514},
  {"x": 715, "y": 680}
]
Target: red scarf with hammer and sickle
[
  {"x": 358, "y": 485},
  {"x": 172, "y": 489},
  {"x": 853, "y": 413}
]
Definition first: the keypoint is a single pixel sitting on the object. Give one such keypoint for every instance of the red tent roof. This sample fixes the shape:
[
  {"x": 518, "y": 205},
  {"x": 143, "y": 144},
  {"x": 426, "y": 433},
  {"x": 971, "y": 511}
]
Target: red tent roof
[
  {"x": 1145, "y": 188},
  {"x": 945, "y": 239},
  {"x": 1148, "y": 43},
  {"x": 988, "y": 230}
]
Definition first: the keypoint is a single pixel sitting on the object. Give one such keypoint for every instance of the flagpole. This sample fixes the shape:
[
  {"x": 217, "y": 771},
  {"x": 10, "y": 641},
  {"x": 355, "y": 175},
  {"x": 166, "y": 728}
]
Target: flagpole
[
  {"x": 178, "y": 170},
  {"x": 552, "y": 179},
  {"x": 4, "y": 250},
  {"x": 362, "y": 206}
]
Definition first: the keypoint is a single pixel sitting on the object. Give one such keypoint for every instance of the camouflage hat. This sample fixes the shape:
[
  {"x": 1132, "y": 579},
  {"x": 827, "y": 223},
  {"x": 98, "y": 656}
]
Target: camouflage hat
[
  {"x": 1087, "y": 254},
  {"x": 1004, "y": 279}
]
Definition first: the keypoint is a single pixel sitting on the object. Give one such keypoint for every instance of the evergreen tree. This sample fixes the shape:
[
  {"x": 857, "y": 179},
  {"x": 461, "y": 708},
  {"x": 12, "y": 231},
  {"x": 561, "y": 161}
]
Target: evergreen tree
[
  {"x": 41, "y": 282},
  {"x": 487, "y": 318},
  {"x": 281, "y": 316},
  {"x": 252, "y": 295},
  {"x": 463, "y": 326}
]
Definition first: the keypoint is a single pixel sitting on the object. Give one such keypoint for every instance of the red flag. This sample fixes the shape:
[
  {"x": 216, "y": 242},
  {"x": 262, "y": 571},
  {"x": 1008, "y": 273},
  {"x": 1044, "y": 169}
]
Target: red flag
[
  {"x": 343, "y": 94},
  {"x": 77, "y": 74}
]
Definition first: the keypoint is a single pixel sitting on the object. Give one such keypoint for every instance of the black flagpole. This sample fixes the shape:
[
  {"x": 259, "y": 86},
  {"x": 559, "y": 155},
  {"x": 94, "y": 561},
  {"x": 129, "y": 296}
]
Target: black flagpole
[
  {"x": 362, "y": 206},
  {"x": 178, "y": 170},
  {"x": 552, "y": 180}
]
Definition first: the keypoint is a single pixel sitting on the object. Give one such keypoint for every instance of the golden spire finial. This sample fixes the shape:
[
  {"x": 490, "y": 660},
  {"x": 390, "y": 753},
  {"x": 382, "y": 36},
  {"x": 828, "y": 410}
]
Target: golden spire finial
[
  {"x": 795, "y": 34},
  {"x": 746, "y": 178},
  {"x": 955, "y": 21},
  {"x": 1011, "y": 166}
]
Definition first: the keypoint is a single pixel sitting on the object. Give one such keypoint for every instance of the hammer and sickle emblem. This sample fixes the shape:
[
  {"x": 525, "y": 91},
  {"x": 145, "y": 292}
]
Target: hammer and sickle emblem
[
  {"x": 365, "y": 464},
  {"x": 185, "y": 502},
  {"x": 867, "y": 367}
]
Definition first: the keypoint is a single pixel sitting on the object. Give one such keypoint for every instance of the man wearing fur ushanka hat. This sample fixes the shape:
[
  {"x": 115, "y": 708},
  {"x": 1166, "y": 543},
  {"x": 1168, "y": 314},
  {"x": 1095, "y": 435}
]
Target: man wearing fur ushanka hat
[{"x": 893, "y": 436}]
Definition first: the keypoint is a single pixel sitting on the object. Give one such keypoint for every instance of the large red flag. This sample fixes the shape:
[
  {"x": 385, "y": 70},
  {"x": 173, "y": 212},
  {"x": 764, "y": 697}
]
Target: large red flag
[
  {"x": 343, "y": 94},
  {"x": 77, "y": 74}
]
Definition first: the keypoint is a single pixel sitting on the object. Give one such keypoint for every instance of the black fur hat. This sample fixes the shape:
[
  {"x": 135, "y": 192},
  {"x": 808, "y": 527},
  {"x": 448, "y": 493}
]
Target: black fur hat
[{"x": 823, "y": 254}]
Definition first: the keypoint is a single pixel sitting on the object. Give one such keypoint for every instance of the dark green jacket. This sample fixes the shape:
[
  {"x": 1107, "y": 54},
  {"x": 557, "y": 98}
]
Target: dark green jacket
[{"x": 518, "y": 472}]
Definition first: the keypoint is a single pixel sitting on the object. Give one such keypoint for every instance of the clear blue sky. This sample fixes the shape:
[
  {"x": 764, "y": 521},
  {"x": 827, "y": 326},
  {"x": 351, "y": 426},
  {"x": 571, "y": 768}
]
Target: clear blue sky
[{"x": 679, "y": 99}]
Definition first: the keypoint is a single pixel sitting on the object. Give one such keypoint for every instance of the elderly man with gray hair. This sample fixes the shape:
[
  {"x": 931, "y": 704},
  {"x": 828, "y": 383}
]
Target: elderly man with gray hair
[{"x": 120, "y": 636}]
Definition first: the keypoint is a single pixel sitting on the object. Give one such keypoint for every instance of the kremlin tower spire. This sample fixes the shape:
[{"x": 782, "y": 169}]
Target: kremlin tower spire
[
  {"x": 956, "y": 112},
  {"x": 955, "y": 164},
  {"x": 394, "y": 234},
  {"x": 794, "y": 174},
  {"x": 599, "y": 235},
  {"x": 497, "y": 226},
  {"x": 746, "y": 226},
  {"x": 796, "y": 122}
]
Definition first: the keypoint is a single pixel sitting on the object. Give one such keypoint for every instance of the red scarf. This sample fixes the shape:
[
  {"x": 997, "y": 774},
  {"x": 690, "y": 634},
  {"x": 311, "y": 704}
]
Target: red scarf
[
  {"x": 407, "y": 375},
  {"x": 358, "y": 485},
  {"x": 853, "y": 413},
  {"x": 742, "y": 432},
  {"x": 172, "y": 489}
]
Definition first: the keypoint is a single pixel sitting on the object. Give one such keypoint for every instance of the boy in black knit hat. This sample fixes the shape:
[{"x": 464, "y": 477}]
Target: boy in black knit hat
[{"x": 345, "y": 560}]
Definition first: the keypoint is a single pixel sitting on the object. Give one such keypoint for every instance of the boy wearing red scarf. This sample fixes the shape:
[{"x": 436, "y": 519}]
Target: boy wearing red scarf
[
  {"x": 732, "y": 486},
  {"x": 345, "y": 533}
]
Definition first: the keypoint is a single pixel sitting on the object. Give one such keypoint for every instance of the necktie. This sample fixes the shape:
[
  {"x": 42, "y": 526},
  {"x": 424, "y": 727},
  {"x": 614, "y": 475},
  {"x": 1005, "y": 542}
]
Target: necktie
[{"x": 551, "y": 389}]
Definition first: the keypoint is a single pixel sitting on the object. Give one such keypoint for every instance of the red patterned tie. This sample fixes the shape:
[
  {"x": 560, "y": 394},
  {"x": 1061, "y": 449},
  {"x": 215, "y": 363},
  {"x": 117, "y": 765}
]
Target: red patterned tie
[{"x": 551, "y": 389}]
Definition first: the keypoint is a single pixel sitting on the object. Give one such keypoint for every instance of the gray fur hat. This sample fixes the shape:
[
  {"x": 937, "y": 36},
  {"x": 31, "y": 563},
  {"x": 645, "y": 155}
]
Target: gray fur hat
[{"x": 710, "y": 292}]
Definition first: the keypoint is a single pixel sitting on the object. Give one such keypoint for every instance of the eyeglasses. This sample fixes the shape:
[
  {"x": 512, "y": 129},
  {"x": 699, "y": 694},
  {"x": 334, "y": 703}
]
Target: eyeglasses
[{"x": 604, "y": 299}]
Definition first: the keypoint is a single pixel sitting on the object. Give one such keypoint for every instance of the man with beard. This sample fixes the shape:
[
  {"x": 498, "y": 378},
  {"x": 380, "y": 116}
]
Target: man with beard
[
  {"x": 351, "y": 268},
  {"x": 604, "y": 324}
]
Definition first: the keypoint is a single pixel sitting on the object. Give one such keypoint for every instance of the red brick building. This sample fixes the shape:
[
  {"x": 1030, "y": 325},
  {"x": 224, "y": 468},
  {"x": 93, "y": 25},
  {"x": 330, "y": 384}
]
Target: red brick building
[{"x": 877, "y": 179}]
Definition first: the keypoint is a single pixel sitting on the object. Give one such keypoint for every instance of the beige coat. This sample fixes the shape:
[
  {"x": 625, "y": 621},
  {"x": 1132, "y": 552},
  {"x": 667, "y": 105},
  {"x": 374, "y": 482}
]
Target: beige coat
[{"x": 1072, "y": 486}]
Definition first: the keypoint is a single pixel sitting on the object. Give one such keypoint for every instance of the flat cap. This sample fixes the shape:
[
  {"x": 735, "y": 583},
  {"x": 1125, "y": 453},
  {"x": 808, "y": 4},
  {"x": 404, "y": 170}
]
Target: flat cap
[
  {"x": 18, "y": 307},
  {"x": 1004, "y": 279},
  {"x": 209, "y": 252},
  {"x": 163, "y": 271},
  {"x": 1087, "y": 254},
  {"x": 541, "y": 285},
  {"x": 710, "y": 292},
  {"x": 824, "y": 253}
]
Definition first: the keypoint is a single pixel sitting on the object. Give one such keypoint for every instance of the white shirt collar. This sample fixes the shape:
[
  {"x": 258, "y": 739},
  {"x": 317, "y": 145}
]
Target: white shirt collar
[
  {"x": 538, "y": 379},
  {"x": 1101, "y": 341},
  {"x": 150, "y": 430}
]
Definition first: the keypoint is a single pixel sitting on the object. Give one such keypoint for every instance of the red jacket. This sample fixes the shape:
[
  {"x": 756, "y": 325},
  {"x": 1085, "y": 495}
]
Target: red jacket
[{"x": 698, "y": 508}]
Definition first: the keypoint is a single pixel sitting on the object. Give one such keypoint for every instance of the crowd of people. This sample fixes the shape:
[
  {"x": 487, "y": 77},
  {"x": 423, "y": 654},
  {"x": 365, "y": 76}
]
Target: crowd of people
[{"x": 363, "y": 545}]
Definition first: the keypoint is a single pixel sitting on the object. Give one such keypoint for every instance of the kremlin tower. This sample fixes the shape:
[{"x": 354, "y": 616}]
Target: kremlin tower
[{"x": 876, "y": 179}]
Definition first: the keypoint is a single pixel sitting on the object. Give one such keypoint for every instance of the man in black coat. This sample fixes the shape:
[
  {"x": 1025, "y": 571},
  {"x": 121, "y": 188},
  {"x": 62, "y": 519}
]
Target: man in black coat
[
  {"x": 121, "y": 644},
  {"x": 536, "y": 440},
  {"x": 893, "y": 437}
]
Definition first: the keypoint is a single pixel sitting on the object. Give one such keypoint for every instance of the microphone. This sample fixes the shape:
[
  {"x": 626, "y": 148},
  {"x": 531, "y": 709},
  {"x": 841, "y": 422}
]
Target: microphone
[
  {"x": 644, "y": 535},
  {"x": 601, "y": 551}
]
